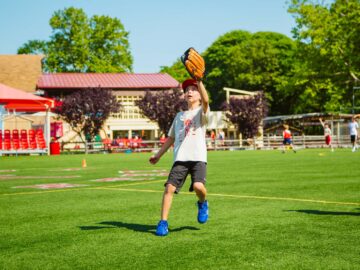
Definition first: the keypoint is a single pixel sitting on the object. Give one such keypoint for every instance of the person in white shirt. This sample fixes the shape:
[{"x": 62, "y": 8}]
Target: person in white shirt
[
  {"x": 187, "y": 133},
  {"x": 327, "y": 134},
  {"x": 353, "y": 127}
]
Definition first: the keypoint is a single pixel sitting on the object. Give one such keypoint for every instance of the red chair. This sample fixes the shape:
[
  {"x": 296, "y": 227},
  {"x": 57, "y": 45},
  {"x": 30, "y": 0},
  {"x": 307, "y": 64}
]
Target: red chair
[
  {"x": 7, "y": 134},
  {"x": 32, "y": 139},
  {"x": 15, "y": 139},
  {"x": 15, "y": 134},
  {"x": 7, "y": 140},
  {"x": 40, "y": 140},
  {"x": 1, "y": 139},
  {"x": 24, "y": 139}
]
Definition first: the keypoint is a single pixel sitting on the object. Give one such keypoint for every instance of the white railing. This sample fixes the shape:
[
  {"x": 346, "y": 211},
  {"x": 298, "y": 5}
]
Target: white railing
[{"x": 268, "y": 142}]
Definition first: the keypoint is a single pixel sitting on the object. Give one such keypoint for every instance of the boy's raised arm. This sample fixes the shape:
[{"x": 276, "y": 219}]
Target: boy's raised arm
[{"x": 204, "y": 96}]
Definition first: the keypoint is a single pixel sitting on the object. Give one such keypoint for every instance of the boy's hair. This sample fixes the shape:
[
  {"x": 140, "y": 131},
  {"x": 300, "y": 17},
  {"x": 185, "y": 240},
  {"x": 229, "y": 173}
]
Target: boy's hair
[{"x": 286, "y": 126}]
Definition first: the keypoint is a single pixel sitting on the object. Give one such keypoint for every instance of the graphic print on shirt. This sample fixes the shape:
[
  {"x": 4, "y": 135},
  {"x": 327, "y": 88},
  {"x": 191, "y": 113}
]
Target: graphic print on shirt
[{"x": 188, "y": 127}]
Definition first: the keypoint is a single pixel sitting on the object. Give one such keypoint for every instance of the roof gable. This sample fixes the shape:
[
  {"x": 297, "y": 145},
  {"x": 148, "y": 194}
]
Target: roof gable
[{"x": 20, "y": 71}]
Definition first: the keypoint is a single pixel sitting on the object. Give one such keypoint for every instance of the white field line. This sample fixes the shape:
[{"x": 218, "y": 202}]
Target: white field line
[{"x": 77, "y": 189}]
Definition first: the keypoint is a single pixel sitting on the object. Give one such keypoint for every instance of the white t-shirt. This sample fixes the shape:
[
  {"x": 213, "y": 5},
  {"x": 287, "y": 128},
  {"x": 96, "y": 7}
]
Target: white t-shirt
[
  {"x": 353, "y": 126},
  {"x": 327, "y": 131},
  {"x": 189, "y": 130}
]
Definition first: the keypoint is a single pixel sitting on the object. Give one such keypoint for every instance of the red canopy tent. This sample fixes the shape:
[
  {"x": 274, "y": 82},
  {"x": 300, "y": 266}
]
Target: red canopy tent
[{"x": 17, "y": 100}]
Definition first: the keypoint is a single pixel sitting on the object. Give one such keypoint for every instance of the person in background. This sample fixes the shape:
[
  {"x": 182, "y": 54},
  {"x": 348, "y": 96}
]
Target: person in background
[
  {"x": 327, "y": 134},
  {"x": 353, "y": 127},
  {"x": 287, "y": 139}
]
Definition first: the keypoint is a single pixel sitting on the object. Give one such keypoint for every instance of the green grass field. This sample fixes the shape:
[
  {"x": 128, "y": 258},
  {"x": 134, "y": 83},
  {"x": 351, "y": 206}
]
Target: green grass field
[{"x": 267, "y": 211}]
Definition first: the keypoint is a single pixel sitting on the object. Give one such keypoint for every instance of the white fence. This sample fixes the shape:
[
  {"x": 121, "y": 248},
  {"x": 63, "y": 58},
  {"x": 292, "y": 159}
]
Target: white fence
[{"x": 268, "y": 143}]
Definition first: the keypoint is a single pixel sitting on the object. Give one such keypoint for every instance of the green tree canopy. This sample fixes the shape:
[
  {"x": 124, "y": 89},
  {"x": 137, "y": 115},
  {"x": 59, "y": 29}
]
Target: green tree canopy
[
  {"x": 176, "y": 70},
  {"x": 238, "y": 59},
  {"x": 328, "y": 37},
  {"x": 80, "y": 44},
  {"x": 261, "y": 61}
]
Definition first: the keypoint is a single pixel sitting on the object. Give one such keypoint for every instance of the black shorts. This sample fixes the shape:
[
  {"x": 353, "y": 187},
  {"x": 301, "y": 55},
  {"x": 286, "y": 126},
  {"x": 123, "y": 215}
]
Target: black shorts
[
  {"x": 181, "y": 169},
  {"x": 353, "y": 138},
  {"x": 287, "y": 141}
]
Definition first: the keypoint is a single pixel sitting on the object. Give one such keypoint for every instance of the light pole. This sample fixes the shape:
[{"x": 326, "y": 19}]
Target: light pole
[{"x": 353, "y": 98}]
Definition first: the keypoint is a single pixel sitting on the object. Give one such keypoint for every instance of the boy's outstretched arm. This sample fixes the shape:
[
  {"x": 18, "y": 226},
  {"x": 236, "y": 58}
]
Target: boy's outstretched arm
[
  {"x": 204, "y": 96},
  {"x": 322, "y": 123},
  {"x": 155, "y": 158}
]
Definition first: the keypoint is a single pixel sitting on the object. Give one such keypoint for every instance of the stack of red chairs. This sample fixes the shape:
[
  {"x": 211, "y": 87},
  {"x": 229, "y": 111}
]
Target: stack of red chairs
[
  {"x": 40, "y": 139},
  {"x": 24, "y": 139},
  {"x": 32, "y": 139},
  {"x": 15, "y": 139},
  {"x": 7, "y": 140}
]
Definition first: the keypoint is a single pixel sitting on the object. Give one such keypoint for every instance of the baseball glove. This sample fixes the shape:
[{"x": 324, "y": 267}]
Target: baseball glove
[{"x": 194, "y": 63}]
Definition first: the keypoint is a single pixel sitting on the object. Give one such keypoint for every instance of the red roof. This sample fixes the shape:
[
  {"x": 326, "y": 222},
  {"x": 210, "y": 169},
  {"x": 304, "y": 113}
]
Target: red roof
[{"x": 107, "y": 80}]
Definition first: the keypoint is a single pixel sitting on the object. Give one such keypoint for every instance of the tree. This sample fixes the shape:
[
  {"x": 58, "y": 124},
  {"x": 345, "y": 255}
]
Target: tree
[
  {"x": 218, "y": 64},
  {"x": 162, "y": 107},
  {"x": 246, "y": 113},
  {"x": 80, "y": 44},
  {"x": 87, "y": 110},
  {"x": 261, "y": 61},
  {"x": 177, "y": 71},
  {"x": 328, "y": 37}
]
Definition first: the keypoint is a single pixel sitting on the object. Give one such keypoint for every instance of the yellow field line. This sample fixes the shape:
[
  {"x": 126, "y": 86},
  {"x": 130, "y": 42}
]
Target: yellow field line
[
  {"x": 242, "y": 196},
  {"x": 119, "y": 187},
  {"x": 133, "y": 184}
]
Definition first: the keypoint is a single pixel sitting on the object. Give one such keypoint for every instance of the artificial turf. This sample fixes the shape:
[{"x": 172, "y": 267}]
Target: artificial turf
[{"x": 268, "y": 210}]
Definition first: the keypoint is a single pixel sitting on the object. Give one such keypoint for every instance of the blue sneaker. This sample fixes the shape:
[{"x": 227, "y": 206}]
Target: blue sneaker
[
  {"x": 203, "y": 212},
  {"x": 162, "y": 228}
]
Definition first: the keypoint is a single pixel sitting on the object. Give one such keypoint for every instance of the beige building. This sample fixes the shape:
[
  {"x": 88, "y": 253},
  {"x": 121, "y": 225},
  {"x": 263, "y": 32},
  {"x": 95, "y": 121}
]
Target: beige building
[{"x": 126, "y": 87}]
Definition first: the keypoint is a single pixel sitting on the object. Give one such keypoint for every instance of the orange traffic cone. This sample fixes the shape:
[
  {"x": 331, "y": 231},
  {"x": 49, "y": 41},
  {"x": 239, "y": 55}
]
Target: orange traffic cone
[{"x": 83, "y": 164}]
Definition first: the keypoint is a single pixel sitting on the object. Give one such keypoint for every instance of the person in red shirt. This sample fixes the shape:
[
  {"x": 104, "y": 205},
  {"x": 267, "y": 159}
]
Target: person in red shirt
[{"x": 287, "y": 139}]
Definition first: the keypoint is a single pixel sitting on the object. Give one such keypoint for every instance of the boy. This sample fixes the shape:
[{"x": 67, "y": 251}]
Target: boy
[
  {"x": 190, "y": 157},
  {"x": 287, "y": 139},
  {"x": 353, "y": 127},
  {"x": 327, "y": 134}
]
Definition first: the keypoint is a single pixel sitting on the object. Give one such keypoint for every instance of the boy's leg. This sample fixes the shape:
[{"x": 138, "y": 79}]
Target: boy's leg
[
  {"x": 167, "y": 200},
  {"x": 163, "y": 227},
  {"x": 203, "y": 206},
  {"x": 200, "y": 191}
]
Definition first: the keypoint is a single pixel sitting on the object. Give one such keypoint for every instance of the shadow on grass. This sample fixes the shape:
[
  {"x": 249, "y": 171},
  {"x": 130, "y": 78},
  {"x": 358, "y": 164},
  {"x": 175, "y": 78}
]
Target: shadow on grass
[
  {"x": 331, "y": 213},
  {"x": 132, "y": 226}
]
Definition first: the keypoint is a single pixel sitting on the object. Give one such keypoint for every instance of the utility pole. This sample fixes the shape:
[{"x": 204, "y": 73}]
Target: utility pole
[{"x": 353, "y": 98}]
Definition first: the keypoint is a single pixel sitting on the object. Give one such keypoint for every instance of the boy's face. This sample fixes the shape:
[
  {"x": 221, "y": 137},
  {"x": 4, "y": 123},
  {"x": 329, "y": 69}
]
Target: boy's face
[{"x": 192, "y": 94}]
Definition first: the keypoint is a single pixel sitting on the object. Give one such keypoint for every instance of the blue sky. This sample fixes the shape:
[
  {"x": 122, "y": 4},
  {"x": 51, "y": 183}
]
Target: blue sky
[{"x": 160, "y": 30}]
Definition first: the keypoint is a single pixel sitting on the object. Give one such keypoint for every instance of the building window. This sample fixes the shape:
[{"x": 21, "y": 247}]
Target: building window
[{"x": 128, "y": 108}]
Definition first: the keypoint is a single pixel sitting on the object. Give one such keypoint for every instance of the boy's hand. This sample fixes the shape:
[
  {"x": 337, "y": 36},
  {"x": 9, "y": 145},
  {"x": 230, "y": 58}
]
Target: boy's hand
[{"x": 154, "y": 159}]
